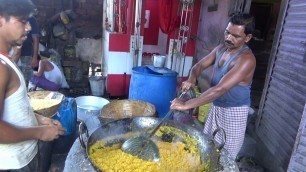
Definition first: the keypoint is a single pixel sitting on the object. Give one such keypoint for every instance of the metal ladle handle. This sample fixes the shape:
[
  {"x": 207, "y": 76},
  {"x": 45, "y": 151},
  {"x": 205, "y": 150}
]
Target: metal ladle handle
[
  {"x": 165, "y": 117},
  {"x": 83, "y": 129}
]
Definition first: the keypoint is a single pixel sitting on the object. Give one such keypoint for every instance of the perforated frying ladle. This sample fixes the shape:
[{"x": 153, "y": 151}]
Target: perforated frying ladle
[{"x": 142, "y": 146}]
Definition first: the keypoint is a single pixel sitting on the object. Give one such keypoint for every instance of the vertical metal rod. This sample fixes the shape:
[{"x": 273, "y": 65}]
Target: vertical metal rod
[
  {"x": 137, "y": 31},
  {"x": 185, "y": 11},
  {"x": 191, "y": 5},
  {"x": 110, "y": 7},
  {"x": 119, "y": 16}
]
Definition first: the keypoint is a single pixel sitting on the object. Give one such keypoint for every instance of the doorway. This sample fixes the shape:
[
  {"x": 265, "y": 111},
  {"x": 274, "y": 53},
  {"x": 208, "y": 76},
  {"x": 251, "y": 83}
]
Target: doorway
[{"x": 266, "y": 15}]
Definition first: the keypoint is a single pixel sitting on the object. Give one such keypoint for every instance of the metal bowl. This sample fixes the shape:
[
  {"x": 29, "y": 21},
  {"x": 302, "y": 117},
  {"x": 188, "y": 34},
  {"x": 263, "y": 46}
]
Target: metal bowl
[{"x": 89, "y": 106}]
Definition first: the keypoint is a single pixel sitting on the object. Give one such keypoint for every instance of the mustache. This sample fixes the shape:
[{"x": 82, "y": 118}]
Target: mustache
[{"x": 228, "y": 42}]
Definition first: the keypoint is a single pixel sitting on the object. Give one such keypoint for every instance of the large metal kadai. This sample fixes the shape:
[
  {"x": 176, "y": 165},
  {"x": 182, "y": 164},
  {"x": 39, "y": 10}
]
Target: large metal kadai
[{"x": 123, "y": 129}]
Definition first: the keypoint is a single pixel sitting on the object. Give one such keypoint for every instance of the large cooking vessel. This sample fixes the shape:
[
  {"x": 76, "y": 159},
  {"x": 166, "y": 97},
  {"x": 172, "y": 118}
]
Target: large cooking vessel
[{"x": 120, "y": 130}]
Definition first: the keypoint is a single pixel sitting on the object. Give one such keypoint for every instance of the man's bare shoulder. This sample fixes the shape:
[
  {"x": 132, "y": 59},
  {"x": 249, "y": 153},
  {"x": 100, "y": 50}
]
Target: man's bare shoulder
[
  {"x": 9, "y": 80},
  {"x": 219, "y": 48},
  {"x": 216, "y": 51},
  {"x": 4, "y": 68},
  {"x": 246, "y": 62},
  {"x": 5, "y": 73},
  {"x": 248, "y": 56}
]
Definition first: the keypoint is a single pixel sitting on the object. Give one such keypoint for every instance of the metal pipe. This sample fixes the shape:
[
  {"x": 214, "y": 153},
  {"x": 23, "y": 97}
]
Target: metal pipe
[{"x": 137, "y": 32}]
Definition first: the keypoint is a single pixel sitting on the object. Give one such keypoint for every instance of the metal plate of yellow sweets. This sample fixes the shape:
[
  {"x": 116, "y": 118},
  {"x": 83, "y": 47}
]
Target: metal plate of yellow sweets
[{"x": 45, "y": 103}]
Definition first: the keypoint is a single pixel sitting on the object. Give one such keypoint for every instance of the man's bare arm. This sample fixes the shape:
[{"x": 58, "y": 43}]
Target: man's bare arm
[
  {"x": 34, "y": 60},
  {"x": 243, "y": 68}
]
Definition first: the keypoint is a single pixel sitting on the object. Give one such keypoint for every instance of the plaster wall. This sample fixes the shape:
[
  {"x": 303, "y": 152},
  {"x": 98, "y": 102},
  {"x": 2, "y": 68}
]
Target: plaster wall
[{"x": 211, "y": 27}]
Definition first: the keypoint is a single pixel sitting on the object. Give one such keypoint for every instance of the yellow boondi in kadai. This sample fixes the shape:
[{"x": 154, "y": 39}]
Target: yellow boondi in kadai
[{"x": 174, "y": 157}]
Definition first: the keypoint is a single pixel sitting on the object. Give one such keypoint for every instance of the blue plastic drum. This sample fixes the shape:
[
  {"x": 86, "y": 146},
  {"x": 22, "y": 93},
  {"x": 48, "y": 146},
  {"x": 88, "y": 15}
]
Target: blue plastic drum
[{"x": 154, "y": 85}]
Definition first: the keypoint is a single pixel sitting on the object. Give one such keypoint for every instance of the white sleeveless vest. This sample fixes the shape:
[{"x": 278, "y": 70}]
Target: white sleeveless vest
[{"x": 18, "y": 112}]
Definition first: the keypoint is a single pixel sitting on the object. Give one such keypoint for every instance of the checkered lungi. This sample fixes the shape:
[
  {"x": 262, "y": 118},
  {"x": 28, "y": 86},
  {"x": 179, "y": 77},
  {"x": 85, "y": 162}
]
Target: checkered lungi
[{"x": 233, "y": 120}]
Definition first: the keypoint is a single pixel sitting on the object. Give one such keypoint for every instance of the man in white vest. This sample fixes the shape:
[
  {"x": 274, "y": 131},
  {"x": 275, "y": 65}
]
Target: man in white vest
[{"x": 20, "y": 128}]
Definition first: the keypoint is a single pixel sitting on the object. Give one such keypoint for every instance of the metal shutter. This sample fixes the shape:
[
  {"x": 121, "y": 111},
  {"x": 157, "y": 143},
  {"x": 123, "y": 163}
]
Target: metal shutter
[{"x": 284, "y": 93}]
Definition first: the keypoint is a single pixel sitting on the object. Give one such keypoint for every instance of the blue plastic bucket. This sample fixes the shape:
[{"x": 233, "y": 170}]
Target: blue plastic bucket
[{"x": 153, "y": 85}]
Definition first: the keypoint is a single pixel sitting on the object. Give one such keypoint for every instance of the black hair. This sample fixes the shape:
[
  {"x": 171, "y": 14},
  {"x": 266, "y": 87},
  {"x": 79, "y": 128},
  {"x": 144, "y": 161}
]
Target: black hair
[
  {"x": 18, "y": 8},
  {"x": 245, "y": 20}
]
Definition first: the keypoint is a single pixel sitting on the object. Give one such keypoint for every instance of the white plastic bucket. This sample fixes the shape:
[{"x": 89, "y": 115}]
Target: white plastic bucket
[{"x": 97, "y": 85}]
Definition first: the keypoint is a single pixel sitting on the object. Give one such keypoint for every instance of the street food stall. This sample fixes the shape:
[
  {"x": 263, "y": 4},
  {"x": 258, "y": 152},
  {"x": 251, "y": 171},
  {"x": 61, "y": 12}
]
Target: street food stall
[{"x": 137, "y": 37}]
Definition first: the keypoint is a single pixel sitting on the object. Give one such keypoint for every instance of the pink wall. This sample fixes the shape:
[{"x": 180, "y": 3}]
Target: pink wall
[
  {"x": 211, "y": 27},
  {"x": 210, "y": 34}
]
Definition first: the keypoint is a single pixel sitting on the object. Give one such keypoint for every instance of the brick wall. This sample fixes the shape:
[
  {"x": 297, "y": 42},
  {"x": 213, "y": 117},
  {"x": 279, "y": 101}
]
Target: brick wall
[
  {"x": 85, "y": 23},
  {"x": 88, "y": 15},
  {"x": 88, "y": 10}
]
